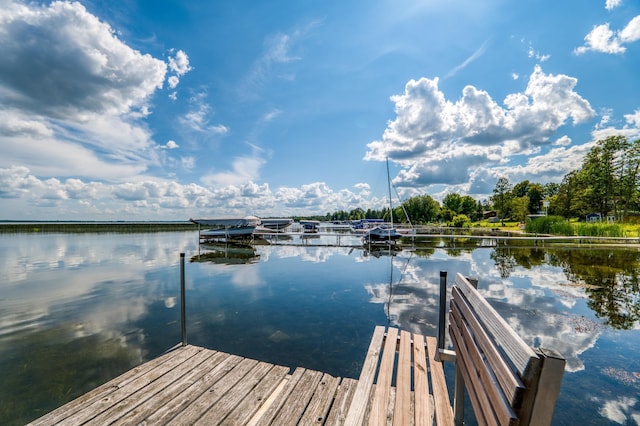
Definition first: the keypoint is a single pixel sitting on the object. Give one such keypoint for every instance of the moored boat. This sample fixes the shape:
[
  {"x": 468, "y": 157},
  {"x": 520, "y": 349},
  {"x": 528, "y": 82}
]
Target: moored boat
[
  {"x": 228, "y": 228},
  {"x": 246, "y": 221},
  {"x": 382, "y": 234},
  {"x": 310, "y": 226},
  {"x": 276, "y": 224}
]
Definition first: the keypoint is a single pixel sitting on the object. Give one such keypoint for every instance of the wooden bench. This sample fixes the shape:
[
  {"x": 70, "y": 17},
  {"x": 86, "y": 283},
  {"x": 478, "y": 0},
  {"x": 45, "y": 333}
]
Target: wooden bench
[
  {"x": 507, "y": 381},
  {"x": 402, "y": 381}
]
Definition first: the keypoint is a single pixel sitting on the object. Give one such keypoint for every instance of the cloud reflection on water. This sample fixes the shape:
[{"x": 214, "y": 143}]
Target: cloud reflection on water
[{"x": 122, "y": 289}]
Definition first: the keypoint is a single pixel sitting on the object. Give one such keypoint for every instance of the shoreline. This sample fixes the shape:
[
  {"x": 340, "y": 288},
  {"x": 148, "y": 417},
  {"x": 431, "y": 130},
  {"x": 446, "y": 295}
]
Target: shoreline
[
  {"x": 450, "y": 238},
  {"x": 22, "y": 227}
]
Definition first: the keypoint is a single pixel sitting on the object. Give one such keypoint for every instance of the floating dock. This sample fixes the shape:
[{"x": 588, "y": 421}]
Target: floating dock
[{"x": 193, "y": 385}]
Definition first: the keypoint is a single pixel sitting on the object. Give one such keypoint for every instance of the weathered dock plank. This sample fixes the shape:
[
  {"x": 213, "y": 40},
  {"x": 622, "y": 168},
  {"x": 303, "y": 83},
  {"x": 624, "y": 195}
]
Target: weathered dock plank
[
  {"x": 402, "y": 409},
  {"x": 211, "y": 395},
  {"x": 423, "y": 413},
  {"x": 234, "y": 396},
  {"x": 182, "y": 400},
  {"x": 382, "y": 396},
  {"x": 443, "y": 410},
  {"x": 296, "y": 403},
  {"x": 341, "y": 402},
  {"x": 266, "y": 416},
  {"x": 356, "y": 413},
  {"x": 316, "y": 412},
  {"x": 168, "y": 394},
  {"x": 244, "y": 411}
]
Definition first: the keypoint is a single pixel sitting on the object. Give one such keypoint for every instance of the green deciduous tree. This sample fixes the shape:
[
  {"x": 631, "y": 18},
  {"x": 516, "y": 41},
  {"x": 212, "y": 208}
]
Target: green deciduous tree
[
  {"x": 452, "y": 201},
  {"x": 422, "y": 209},
  {"x": 502, "y": 197},
  {"x": 520, "y": 207}
]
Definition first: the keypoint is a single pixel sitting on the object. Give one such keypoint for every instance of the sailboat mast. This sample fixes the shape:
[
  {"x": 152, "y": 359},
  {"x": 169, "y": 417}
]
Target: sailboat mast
[{"x": 389, "y": 184}]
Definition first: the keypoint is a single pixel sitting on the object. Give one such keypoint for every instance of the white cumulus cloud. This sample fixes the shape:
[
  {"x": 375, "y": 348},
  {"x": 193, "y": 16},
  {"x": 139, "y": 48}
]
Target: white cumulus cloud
[
  {"x": 605, "y": 40},
  {"x": 438, "y": 141},
  {"x": 179, "y": 63},
  {"x": 73, "y": 94},
  {"x": 612, "y": 4}
]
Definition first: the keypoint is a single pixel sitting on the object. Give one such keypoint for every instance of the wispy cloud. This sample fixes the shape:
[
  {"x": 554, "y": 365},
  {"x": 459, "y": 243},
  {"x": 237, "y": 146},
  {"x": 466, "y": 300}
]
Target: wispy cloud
[
  {"x": 279, "y": 49},
  {"x": 271, "y": 115},
  {"x": 197, "y": 119},
  {"x": 244, "y": 169},
  {"x": 475, "y": 55}
]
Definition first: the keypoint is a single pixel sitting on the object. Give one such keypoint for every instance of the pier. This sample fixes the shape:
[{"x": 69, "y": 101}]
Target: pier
[{"x": 194, "y": 385}]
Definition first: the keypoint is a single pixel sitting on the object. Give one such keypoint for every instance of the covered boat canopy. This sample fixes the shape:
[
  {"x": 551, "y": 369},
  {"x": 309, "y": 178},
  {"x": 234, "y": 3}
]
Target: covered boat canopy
[
  {"x": 246, "y": 221},
  {"x": 277, "y": 223}
]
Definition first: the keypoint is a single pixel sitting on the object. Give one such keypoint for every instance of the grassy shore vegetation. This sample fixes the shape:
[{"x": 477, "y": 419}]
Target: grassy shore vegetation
[
  {"x": 557, "y": 225},
  {"x": 79, "y": 227}
]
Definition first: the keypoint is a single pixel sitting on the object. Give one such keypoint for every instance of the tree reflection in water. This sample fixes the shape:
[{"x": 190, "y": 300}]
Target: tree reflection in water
[{"x": 610, "y": 277}]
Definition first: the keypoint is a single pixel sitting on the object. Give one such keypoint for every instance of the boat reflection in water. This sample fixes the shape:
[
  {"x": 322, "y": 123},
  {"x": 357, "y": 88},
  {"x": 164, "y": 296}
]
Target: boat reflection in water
[
  {"x": 227, "y": 254},
  {"x": 378, "y": 250}
]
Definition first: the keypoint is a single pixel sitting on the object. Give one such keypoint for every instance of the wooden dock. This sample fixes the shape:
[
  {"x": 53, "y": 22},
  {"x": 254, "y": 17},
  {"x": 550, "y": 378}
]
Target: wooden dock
[{"x": 194, "y": 385}]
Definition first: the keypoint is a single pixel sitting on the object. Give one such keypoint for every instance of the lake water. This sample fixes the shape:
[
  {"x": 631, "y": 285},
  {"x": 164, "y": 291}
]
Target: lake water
[{"x": 78, "y": 309}]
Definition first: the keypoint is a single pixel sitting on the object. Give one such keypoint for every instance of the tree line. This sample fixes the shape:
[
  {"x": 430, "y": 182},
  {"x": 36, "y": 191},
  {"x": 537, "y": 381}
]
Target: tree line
[{"x": 607, "y": 183}]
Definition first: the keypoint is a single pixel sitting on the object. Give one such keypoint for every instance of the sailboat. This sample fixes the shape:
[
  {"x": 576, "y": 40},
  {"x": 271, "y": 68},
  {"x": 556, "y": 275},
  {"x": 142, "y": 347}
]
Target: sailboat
[{"x": 384, "y": 233}]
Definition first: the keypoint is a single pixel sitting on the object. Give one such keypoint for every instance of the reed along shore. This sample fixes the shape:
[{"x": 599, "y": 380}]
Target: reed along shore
[{"x": 79, "y": 227}]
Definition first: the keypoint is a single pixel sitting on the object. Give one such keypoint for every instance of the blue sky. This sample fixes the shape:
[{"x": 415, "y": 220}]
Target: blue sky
[{"x": 164, "y": 110}]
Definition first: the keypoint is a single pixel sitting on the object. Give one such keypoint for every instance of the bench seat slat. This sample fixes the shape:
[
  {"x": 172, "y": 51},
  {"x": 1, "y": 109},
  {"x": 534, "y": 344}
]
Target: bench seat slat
[
  {"x": 508, "y": 380},
  {"x": 480, "y": 380},
  {"x": 513, "y": 345},
  {"x": 469, "y": 384}
]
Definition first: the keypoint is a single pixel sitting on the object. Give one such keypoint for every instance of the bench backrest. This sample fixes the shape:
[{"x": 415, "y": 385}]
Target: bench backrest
[{"x": 508, "y": 382}]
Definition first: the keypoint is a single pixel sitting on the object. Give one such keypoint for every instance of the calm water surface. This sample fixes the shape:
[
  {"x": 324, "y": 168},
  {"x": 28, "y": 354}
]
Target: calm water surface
[{"x": 77, "y": 310}]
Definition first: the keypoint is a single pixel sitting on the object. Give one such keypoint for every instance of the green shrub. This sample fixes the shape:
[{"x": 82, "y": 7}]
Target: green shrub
[{"x": 460, "y": 221}]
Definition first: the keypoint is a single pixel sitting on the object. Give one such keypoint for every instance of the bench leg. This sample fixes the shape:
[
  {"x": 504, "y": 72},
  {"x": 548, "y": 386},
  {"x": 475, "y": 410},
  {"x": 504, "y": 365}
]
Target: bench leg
[{"x": 458, "y": 398}]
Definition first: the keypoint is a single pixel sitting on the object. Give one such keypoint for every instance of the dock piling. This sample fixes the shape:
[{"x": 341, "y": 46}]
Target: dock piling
[
  {"x": 443, "y": 309},
  {"x": 183, "y": 321}
]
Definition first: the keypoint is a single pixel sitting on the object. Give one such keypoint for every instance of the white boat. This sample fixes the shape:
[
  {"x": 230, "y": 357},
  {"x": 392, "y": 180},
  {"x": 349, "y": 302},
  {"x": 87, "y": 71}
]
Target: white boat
[
  {"x": 362, "y": 226},
  {"x": 310, "y": 226},
  {"x": 235, "y": 232},
  {"x": 228, "y": 222},
  {"x": 383, "y": 233},
  {"x": 227, "y": 228},
  {"x": 276, "y": 224}
]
